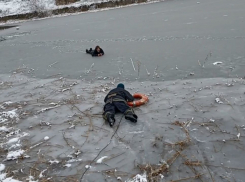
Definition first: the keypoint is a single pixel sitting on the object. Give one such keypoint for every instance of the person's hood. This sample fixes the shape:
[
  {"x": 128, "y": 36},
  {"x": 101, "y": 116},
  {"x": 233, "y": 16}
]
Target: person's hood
[{"x": 120, "y": 85}]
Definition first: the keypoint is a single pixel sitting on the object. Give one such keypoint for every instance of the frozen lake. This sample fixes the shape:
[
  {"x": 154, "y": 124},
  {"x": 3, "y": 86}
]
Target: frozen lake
[
  {"x": 192, "y": 129},
  {"x": 175, "y": 38}
]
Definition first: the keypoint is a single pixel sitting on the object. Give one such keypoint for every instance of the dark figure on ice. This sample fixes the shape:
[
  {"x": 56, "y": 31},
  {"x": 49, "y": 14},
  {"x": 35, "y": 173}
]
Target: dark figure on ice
[
  {"x": 96, "y": 52},
  {"x": 116, "y": 101}
]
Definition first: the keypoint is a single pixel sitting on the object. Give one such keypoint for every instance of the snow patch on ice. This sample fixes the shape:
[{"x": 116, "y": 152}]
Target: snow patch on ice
[
  {"x": 12, "y": 155},
  {"x": 216, "y": 63},
  {"x": 218, "y": 101},
  {"x": 74, "y": 160},
  {"x": 15, "y": 146},
  {"x": 4, "y": 128},
  {"x": 54, "y": 162},
  {"x": 4, "y": 116},
  {"x": 46, "y": 138},
  {"x": 10, "y": 179},
  {"x": 88, "y": 166},
  {"x": 13, "y": 140},
  {"x": 238, "y": 135},
  {"x": 67, "y": 165},
  {"x": 136, "y": 132},
  {"x": 139, "y": 178},
  {"x": 2, "y": 167},
  {"x": 16, "y": 139},
  {"x": 199, "y": 140},
  {"x": 41, "y": 173},
  {"x": 101, "y": 159},
  {"x": 31, "y": 179}
]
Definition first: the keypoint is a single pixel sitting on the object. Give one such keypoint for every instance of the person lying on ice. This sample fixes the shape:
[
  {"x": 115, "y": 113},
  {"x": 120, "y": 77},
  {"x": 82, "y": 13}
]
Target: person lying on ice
[
  {"x": 96, "y": 52},
  {"x": 116, "y": 100}
]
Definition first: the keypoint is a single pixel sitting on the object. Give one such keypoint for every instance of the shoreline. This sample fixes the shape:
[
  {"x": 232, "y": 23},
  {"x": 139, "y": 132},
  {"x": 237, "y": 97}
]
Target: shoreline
[{"x": 93, "y": 7}]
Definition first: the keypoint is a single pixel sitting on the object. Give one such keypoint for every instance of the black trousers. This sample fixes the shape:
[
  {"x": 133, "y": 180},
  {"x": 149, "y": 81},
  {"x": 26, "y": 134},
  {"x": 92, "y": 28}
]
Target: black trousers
[
  {"x": 90, "y": 52},
  {"x": 116, "y": 106}
]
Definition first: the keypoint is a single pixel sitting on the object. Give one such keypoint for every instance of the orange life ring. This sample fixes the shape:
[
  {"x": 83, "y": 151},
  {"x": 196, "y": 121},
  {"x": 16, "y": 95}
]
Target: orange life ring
[{"x": 143, "y": 99}]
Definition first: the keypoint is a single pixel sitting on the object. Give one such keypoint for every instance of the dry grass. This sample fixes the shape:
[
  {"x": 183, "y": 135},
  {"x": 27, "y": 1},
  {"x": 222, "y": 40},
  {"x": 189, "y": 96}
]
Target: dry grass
[{"x": 154, "y": 172}]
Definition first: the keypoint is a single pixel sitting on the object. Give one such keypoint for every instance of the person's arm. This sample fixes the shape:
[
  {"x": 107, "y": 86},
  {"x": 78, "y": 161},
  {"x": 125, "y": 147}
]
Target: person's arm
[
  {"x": 105, "y": 98},
  {"x": 129, "y": 97},
  {"x": 95, "y": 53},
  {"x": 102, "y": 52}
]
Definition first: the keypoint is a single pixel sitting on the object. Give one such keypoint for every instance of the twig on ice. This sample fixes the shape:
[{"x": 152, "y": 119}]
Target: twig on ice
[
  {"x": 53, "y": 64},
  {"x": 46, "y": 109},
  {"x": 148, "y": 73},
  {"x": 132, "y": 64}
]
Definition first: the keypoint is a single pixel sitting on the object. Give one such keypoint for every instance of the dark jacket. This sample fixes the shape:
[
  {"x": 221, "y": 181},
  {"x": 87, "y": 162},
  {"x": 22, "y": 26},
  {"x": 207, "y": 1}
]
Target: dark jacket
[
  {"x": 119, "y": 93},
  {"x": 95, "y": 52}
]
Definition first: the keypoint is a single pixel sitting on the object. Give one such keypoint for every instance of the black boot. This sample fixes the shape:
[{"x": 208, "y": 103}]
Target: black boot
[
  {"x": 131, "y": 117},
  {"x": 110, "y": 119},
  {"x": 90, "y": 50},
  {"x": 87, "y": 51}
]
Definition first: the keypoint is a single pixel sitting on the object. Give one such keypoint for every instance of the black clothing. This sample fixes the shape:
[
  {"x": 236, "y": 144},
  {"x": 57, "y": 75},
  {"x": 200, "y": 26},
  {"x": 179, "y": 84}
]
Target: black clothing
[
  {"x": 116, "y": 101},
  {"x": 114, "y": 107},
  {"x": 119, "y": 93},
  {"x": 131, "y": 116},
  {"x": 111, "y": 119},
  {"x": 94, "y": 52}
]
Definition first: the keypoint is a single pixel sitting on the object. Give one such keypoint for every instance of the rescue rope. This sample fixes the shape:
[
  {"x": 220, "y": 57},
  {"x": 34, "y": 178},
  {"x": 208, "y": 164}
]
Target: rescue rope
[{"x": 102, "y": 149}]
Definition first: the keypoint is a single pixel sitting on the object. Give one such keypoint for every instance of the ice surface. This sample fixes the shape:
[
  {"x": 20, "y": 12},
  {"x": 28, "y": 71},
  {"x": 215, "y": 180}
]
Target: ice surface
[
  {"x": 206, "y": 46},
  {"x": 150, "y": 140},
  {"x": 180, "y": 128}
]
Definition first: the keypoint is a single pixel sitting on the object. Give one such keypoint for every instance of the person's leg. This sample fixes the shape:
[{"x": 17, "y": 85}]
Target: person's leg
[
  {"x": 90, "y": 51},
  {"x": 121, "y": 106},
  {"x": 130, "y": 115},
  {"x": 126, "y": 110},
  {"x": 109, "y": 113}
]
